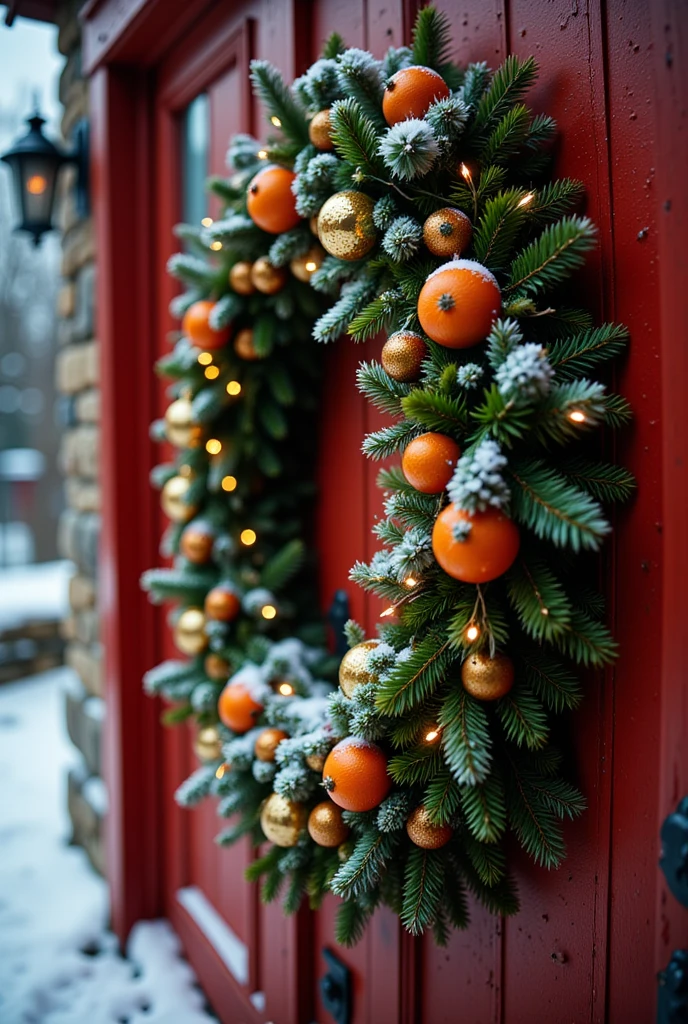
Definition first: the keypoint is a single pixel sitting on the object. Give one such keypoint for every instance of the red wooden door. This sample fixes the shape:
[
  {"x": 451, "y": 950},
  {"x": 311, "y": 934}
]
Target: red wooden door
[{"x": 590, "y": 937}]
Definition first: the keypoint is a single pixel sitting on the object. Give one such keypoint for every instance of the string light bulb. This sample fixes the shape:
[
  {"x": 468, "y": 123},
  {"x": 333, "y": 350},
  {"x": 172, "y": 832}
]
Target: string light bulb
[
  {"x": 229, "y": 483},
  {"x": 207, "y": 221},
  {"x": 577, "y": 416},
  {"x": 213, "y": 446},
  {"x": 276, "y": 121},
  {"x": 527, "y": 199},
  {"x": 205, "y": 358},
  {"x": 262, "y": 154},
  {"x": 472, "y": 632},
  {"x": 233, "y": 388},
  {"x": 388, "y": 611},
  {"x": 211, "y": 372},
  {"x": 465, "y": 173},
  {"x": 544, "y": 611},
  {"x": 286, "y": 689},
  {"x": 410, "y": 582},
  {"x": 222, "y": 769},
  {"x": 311, "y": 265},
  {"x": 216, "y": 246},
  {"x": 432, "y": 734},
  {"x": 248, "y": 537},
  {"x": 268, "y": 611}
]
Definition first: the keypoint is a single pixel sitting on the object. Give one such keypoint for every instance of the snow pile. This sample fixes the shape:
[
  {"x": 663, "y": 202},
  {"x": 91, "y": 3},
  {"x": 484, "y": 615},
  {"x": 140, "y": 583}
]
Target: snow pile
[{"x": 32, "y": 593}]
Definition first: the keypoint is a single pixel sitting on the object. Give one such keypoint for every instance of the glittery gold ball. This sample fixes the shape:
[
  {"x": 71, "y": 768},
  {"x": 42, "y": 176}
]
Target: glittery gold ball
[
  {"x": 243, "y": 345},
  {"x": 268, "y": 279},
  {"x": 173, "y": 500},
  {"x": 217, "y": 668},
  {"x": 424, "y": 833},
  {"x": 487, "y": 678},
  {"x": 320, "y": 130},
  {"x": 326, "y": 826},
  {"x": 302, "y": 267},
  {"x": 447, "y": 232},
  {"x": 345, "y": 225},
  {"x": 353, "y": 671},
  {"x": 189, "y": 631},
  {"x": 180, "y": 429},
  {"x": 208, "y": 745},
  {"x": 403, "y": 354},
  {"x": 267, "y": 743},
  {"x": 282, "y": 820},
  {"x": 316, "y": 761},
  {"x": 240, "y": 278}
]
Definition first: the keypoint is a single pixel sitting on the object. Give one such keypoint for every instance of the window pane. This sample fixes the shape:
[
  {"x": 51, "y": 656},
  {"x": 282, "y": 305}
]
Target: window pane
[{"x": 195, "y": 144}]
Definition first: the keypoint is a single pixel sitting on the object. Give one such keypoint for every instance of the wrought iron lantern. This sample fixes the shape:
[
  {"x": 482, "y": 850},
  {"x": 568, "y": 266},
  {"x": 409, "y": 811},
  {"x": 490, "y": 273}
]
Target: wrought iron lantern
[{"x": 35, "y": 163}]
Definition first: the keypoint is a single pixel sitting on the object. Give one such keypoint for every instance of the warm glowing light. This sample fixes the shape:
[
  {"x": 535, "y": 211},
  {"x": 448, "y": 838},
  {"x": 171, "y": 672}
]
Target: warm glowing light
[
  {"x": 248, "y": 537},
  {"x": 526, "y": 199},
  {"x": 211, "y": 372},
  {"x": 465, "y": 173},
  {"x": 205, "y": 358},
  {"x": 388, "y": 611},
  {"x": 213, "y": 446},
  {"x": 268, "y": 611},
  {"x": 576, "y": 416},
  {"x": 410, "y": 582},
  {"x": 234, "y": 387},
  {"x": 544, "y": 611},
  {"x": 262, "y": 154},
  {"x": 185, "y": 471},
  {"x": 311, "y": 266},
  {"x": 276, "y": 121},
  {"x": 431, "y": 736},
  {"x": 286, "y": 689},
  {"x": 207, "y": 221},
  {"x": 36, "y": 185},
  {"x": 229, "y": 483},
  {"x": 472, "y": 632},
  {"x": 222, "y": 770},
  {"x": 216, "y": 246}
]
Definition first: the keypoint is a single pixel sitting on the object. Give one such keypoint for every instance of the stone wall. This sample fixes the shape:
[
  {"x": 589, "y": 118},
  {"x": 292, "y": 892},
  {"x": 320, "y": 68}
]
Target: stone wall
[{"x": 77, "y": 382}]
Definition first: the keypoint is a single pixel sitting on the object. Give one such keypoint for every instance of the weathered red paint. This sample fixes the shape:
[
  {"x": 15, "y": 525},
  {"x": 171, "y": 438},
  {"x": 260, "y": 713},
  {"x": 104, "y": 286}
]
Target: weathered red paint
[{"x": 591, "y": 936}]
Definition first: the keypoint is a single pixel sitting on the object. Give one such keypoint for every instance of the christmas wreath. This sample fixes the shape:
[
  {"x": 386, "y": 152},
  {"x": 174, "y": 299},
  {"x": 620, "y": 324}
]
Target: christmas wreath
[{"x": 430, "y": 191}]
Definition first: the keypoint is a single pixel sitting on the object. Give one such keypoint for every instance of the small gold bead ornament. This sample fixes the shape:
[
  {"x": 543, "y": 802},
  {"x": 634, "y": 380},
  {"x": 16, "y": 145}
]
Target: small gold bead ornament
[
  {"x": 189, "y": 632},
  {"x": 402, "y": 356},
  {"x": 180, "y": 429},
  {"x": 243, "y": 345},
  {"x": 208, "y": 744},
  {"x": 326, "y": 826},
  {"x": 345, "y": 225},
  {"x": 240, "y": 278},
  {"x": 216, "y": 668},
  {"x": 487, "y": 678},
  {"x": 353, "y": 671},
  {"x": 320, "y": 131},
  {"x": 282, "y": 820},
  {"x": 424, "y": 833},
  {"x": 447, "y": 232},
  {"x": 267, "y": 743},
  {"x": 173, "y": 500},
  {"x": 267, "y": 278}
]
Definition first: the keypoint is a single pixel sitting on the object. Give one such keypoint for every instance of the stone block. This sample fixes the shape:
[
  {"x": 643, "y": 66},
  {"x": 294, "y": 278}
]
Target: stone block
[
  {"x": 66, "y": 300},
  {"x": 77, "y": 248},
  {"x": 71, "y": 369},
  {"x": 87, "y": 450},
  {"x": 86, "y": 663},
  {"x": 87, "y": 406},
  {"x": 76, "y": 106},
  {"x": 68, "y": 457},
  {"x": 82, "y": 592},
  {"x": 84, "y": 304},
  {"x": 87, "y": 626},
  {"x": 87, "y": 805},
  {"x": 84, "y": 717},
  {"x": 82, "y": 495},
  {"x": 92, "y": 363},
  {"x": 77, "y": 539}
]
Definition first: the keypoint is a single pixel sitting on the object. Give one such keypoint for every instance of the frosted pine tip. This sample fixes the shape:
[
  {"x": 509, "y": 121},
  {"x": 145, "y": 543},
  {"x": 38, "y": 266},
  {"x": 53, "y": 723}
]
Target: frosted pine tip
[
  {"x": 526, "y": 200},
  {"x": 472, "y": 632},
  {"x": 216, "y": 246},
  {"x": 432, "y": 735},
  {"x": 286, "y": 689},
  {"x": 576, "y": 416},
  {"x": 465, "y": 172},
  {"x": 445, "y": 302},
  {"x": 268, "y": 611},
  {"x": 206, "y": 222},
  {"x": 276, "y": 121}
]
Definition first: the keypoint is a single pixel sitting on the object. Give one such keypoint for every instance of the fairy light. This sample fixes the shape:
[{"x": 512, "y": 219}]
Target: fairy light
[
  {"x": 286, "y": 689},
  {"x": 432, "y": 734},
  {"x": 213, "y": 446},
  {"x": 205, "y": 358},
  {"x": 268, "y": 611},
  {"x": 248, "y": 537},
  {"x": 465, "y": 173},
  {"x": 472, "y": 632},
  {"x": 262, "y": 154},
  {"x": 229, "y": 483},
  {"x": 576, "y": 416},
  {"x": 388, "y": 611},
  {"x": 410, "y": 582},
  {"x": 276, "y": 121},
  {"x": 233, "y": 388},
  {"x": 216, "y": 246},
  {"x": 526, "y": 200},
  {"x": 221, "y": 771},
  {"x": 207, "y": 221},
  {"x": 544, "y": 611},
  {"x": 311, "y": 265},
  {"x": 211, "y": 372}
]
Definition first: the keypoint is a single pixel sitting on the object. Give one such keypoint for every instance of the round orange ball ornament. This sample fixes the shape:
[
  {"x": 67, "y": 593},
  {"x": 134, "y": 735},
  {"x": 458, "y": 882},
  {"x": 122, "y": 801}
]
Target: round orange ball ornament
[
  {"x": 355, "y": 774},
  {"x": 424, "y": 833},
  {"x": 326, "y": 826},
  {"x": 196, "y": 543},
  {"x": 447, "y": 232},
  {"x": 488, "y": 550},
  {"x": 487, "y": 678},
  {"x": 221, "y": 604},
  {"x": 267, "y": 743},
  {"x": 402, "y": 356},
  {"x": 196, "y": 326},
  {"x": 270, "y": 202},
  {"x": 458, "y": 303},
  {"x": 237, "y": 708},
  {"x": 428, "y": 462},
  {"x": 411, "y": 92}
]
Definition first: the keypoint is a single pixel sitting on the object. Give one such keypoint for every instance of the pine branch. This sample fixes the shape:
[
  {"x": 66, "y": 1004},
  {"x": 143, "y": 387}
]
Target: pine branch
[
  {"x": 552, "y": 257},
  {"x": 432, "y": 39},
  {"x": 555, "y": 199},
  {"x": 415, "y": 767},
  {"x": 538, "y": 598},
  {"x": 380, "y": 389},
  {"x": 556, "y": 510},
  {"x": 355, "y": 137},
  {"x": 554, "y": 683},
  {"x": 338, "y": 317},
  {"x": 382, "y": 443},
  {"x": 568, "y": 409},
  {"x": 414, "y": 679},
  {"x": 283, "y": 565},
  {"x": 423, "y": 889},
  {"x": 602, "y": 480},
  {"x": 376, "y": 316},
  {"x": 351, "y": 921},
  {"x": 536, "y": 827},
  {"x": 484, "y": 808},
  {"x": 442, "y": 799},
  {"x": 269, "y": 87},
  {"x": 507, "y": 137},
  {"x": 436, "y": 411},
  {"x": 466, "y": 741},
  {"x": 580, "y": 353},
  {"x": 523, "y": 718},
  {"x": 501, "y": 221},
  {"x": 509, "y": 84},
  {"x": 362, "y": 871},
  {"x": 588, "y": 642},
  {"x": 488, "y": 860}
]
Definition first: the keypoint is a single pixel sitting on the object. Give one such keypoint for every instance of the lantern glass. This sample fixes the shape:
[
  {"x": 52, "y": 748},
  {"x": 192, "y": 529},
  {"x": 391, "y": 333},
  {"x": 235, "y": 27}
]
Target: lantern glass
[{"x": 34, "y": 162}]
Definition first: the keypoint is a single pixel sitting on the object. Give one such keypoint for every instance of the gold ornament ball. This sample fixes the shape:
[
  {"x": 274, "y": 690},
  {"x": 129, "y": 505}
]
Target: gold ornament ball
[
  {"x": 487, "y": 678},
  {"x": 196, "y": 543},
  {"x": 282, "y": 820},
  {"x": 243, "y": 345},
  {"x": 208, "y": 745},
  {"x": 268, "y": 279},
  {"x": 240, "y": 278},
  {"x": 345, "y": 225},
  {"x": 179, "y": 426},
  {"x": 316, "y": 762},
  {"x": 352, "y": 670},
  {"x": 424, "y": 833},
  {"x": 320, "y": 130},
  {"x": 173, "y": 500},
  {"x": 216, "y": 668},
  {"x": 326, "y": 826},
  {"x": 402, "y": 356},
  {"x": 447, "y": 232},
  {"x": 267, "y": 743},
  {"x": 303, "y": 267},
  {"x": 189, "y": 631}
]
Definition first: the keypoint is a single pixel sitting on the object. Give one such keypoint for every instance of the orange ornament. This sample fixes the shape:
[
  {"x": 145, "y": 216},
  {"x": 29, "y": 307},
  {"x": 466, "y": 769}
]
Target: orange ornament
[
  {"x": 270, "y": 202},
  {"x": 428, "y": 462},
  {"x": 326, "y": 826},
  {"x": 458, "y": 304},
  {"x": 196, "y": 543},
  {"x": 411, "y": 92},
  {"x": 221, "y": 604},
  {"x": 355, "y": 775},
  {"x": 447, "y": 232},
  {"x": 237, "y": 708},
  {"x": 196, "y": 326},
  {"x": 489, "y": 549}
]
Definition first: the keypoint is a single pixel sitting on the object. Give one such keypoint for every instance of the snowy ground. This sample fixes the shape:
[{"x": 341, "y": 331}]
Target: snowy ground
[{"x": 58, "y": 964}]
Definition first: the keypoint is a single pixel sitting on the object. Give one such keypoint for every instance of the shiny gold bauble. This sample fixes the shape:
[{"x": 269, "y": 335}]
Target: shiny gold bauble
[
  {"x": 352, "y": 670},
  {"x": 282, "y": 820},
  {"x": 326, "y": 826},
  {"x": 208, "y": 745},
  {"x": 447, "y": 232},
  {"x": 180, "y": 429},
  {"x": 240, "y": 278},
  {"x": 303, "y": 267},
  {"x": 320, "y": 130},
  {"x": 345, "y": 225},
  {"x": 189, "y": 631},
  {"x": 172, "y": 499},
  {"x": 403, "y": 354},
  {"x": 424, "y": 833},
  {"x": 313, "y": 225},
  {"x": 268, "y": 279},
  {"x": 487, "y": 678},
  {"x": 316, "y": 762},
  {"x": 243, "y": 345},
  {"x": 196, "y": 543},
  {"x": 267, "y": 743},
  {"x": 216, "y": 668}
]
